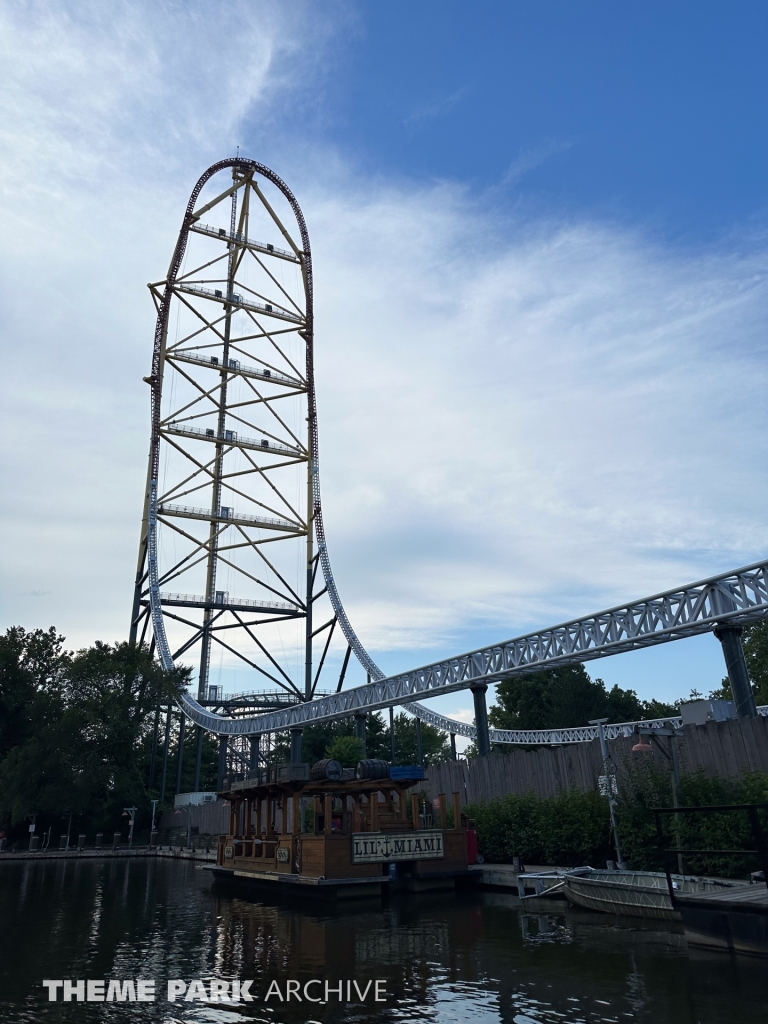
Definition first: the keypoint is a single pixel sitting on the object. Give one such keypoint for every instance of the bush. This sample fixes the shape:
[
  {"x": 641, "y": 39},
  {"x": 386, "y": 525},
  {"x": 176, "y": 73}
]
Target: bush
[
  {"x": 567, "y": 830},
  {"x": 574, "y": 827},
  {"x": 645, "y": 786}
]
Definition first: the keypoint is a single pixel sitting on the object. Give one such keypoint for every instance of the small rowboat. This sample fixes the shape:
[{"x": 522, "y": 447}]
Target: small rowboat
[{"x": 635, "y": 893}]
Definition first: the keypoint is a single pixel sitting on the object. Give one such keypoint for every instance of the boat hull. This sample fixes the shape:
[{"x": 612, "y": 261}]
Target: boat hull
[
  {"x": 613, "y": 898},
  {"x": 635, "y": 893}
]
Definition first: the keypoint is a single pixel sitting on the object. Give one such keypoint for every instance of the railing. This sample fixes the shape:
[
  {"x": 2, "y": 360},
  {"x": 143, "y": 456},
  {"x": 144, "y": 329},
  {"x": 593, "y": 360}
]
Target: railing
[
  {"x": 235, "y": 366},
  {"x": 231, "y": 437},
  {"x": 266, "y": 247},
  {"x": 228, "y": 515},
  {"x": 263, "y": 696},
  {"x": 198, "y": 601},
  {"x": 233, "y": 299}
]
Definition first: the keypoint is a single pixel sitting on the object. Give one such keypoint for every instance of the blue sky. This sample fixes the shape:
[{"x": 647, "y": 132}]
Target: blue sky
[
  {"x": 651, "y": 113},
  {"x": 540, "y": 243}
]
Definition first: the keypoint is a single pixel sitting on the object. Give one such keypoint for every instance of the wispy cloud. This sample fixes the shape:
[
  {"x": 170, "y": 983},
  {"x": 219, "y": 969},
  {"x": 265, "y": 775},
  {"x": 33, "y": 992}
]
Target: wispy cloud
[
  {"x": 519, "y": 421},
  {"x": 108, "y": 114},
  {"x": 526, "y": 422},
  {"x": 434, "y": 109},
  {"x": 530, "y": 159}
]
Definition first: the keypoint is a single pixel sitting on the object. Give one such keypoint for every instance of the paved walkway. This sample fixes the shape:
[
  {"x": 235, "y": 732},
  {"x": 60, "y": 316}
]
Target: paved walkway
[{"x": 108, "y": 853}]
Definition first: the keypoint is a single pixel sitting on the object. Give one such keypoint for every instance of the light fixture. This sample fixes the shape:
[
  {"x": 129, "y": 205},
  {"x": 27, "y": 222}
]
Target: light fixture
[{"x": 642, "y": 747}]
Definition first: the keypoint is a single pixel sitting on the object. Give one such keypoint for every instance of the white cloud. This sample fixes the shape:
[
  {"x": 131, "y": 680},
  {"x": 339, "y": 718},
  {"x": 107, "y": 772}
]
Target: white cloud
[
  {"x": 108, "y": 114},
  {"x": 526, "y": 422},
  {"x": 519, "y": 421}
]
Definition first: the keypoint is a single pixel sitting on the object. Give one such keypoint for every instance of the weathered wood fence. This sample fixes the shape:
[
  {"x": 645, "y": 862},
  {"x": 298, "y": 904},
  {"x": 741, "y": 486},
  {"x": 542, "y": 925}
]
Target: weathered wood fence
[
  {"x": 725, "y": 749},
  {"x": 211, "y": 819}
]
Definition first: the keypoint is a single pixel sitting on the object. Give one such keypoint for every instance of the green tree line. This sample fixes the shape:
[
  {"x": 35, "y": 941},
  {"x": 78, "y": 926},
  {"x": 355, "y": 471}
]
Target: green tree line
[
  {"x": 77, "y": 731},
  {"x": 75, "y": 728}
]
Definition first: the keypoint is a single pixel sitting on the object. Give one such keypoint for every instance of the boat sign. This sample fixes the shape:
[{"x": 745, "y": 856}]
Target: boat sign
[{"x": 380, "y": 847}]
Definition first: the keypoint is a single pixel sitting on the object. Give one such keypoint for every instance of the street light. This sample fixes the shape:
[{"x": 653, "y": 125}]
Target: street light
[
  {"x": 189, "y": 823},
  {"x": 130, "y": 814},
  {"x": 609, "y": 775}
]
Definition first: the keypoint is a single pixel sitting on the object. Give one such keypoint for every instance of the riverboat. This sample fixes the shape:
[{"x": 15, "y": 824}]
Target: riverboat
[{"x": 340, "y": 832}]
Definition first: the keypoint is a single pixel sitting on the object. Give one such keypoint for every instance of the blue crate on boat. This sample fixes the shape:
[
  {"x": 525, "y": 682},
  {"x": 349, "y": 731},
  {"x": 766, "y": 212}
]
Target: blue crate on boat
[{"x": 406, "y": 771}]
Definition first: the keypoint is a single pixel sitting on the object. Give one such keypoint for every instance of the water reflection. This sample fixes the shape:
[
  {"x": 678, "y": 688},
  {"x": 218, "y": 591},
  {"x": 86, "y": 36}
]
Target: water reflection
[{"x": 446, "y": 958}]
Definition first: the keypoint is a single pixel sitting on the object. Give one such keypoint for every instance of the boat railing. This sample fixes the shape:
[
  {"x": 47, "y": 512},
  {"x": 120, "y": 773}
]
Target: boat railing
[{"x": 758, "y": 834}]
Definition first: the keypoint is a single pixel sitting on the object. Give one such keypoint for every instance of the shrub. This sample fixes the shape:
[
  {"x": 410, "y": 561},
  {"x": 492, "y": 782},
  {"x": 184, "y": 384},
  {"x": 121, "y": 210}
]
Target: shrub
[
  {"x": 568, "y": 830},
  {"x": 646, "y": 786},
  {"x": 574, "y": 827}
]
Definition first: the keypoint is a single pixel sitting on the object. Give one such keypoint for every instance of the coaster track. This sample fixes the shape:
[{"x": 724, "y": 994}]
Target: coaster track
[{"x": 736, "y": 598}]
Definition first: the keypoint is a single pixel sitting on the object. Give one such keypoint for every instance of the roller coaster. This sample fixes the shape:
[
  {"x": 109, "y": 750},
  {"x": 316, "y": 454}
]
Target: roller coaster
[{"x": 233, "y": 518}]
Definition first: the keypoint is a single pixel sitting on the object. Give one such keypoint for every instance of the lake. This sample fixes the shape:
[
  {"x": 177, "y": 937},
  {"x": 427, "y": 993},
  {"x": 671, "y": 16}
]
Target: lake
[{"x": 445, "y": 958}]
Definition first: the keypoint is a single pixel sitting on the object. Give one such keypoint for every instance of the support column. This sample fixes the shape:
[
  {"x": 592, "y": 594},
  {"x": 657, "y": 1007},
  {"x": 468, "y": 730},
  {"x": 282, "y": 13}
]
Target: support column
[
  {"x": 392, "y": 735},
  {"x": 481, "y": 720},
  {"x": 296, "y": 735},
  {"x": 255, "y": 743},
  {"x": 153, "y": 756},
  {"x": 180, "y": 749},
  {"x": 198, "y": 759},
  {"x": 735, "y": 663},
  {"x": 360, "y": 729},
  {"x": 453, "y": 746},
  {"x": 166, "y": 744},
  {"x": 328, "y": 814},
  {"x": 222, "y": 763},
  {"x": 419, "y": 744}
]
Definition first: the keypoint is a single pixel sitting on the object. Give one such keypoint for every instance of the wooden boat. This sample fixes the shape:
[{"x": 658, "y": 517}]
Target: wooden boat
[
  {"x": 635, "y": 893},
  {"x": 343, "y": 837},
  {"x": 732, "y": 920}
]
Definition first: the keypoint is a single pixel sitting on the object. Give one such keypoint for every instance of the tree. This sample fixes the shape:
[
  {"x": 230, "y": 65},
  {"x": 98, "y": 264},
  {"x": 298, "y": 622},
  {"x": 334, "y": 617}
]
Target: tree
[
  {"x": 317, "y": 739},
  {"x": 348, "y": 750},
  {"x": 74, "y": 726},
  {"x": 562, "y": 698},
  {"x": 434, "y": 743},
  {"x": 111, "y": 693},
  {"x": 31, "y": 667},
  {"x": 755, "y": 641}
]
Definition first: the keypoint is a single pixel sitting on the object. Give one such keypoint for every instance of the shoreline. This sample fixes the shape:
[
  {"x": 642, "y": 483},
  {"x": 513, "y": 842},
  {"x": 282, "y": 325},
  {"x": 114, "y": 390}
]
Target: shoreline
[{"x": 171, "y": 853}]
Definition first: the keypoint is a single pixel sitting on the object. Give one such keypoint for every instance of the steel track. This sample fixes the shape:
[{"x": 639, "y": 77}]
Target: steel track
[{"x": 737, "y": 597}]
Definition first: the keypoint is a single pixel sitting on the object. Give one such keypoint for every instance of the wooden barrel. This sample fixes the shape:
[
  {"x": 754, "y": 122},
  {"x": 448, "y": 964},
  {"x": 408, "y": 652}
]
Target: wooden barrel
[
  {"x": 329, "y": 768},
  {"x": 372, "y": 768}
]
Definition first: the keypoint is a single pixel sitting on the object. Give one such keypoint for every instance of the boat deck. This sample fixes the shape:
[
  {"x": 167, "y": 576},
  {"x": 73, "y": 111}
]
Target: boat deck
[{"x": 749, "y": 893}]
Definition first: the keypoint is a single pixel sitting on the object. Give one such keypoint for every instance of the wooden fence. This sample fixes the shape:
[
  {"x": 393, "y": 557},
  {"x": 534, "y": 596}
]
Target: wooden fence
[
  {"x": 725, "y": 749},
  {"x": 211, "y": 819}
]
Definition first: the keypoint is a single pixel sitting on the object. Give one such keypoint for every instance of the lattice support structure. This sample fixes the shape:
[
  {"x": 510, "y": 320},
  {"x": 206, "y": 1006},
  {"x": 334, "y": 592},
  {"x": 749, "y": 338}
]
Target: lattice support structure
[
  {"x": 227, "y": 568},
  {"x": 735, "y": 598},
  {"x": 227, "y": 557}
]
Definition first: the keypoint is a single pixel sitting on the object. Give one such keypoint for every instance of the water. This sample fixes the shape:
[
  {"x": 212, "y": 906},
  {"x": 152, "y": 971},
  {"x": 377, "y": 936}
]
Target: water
[{"x": 472, "y": 957}]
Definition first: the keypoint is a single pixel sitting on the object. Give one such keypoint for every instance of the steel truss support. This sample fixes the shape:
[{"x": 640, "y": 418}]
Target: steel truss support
[
  {"x": 736, "y": 665},
  {"x": 734, "y": 598},
  {"x": 233, "y": 361},
  {"x": 233, "y": 487}
]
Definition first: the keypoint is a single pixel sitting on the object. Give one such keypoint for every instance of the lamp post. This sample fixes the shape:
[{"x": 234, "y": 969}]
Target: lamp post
[
  {"x": 189, "y": 823},
  {"x": 152, "y": 832},
  {"x": 610, "y": 784},
  {"x": 130, "y": 813},
  {"x": 673, "y": 734}
]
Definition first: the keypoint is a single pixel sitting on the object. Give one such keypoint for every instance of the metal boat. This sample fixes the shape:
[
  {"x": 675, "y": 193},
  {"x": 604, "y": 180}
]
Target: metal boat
[{"x": 635, "y": 893}]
